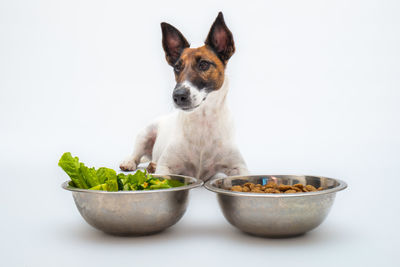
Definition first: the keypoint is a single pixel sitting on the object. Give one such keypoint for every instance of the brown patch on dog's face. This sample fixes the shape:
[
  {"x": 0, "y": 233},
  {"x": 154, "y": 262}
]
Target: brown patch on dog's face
[
  {"x": 198, "y": 71},
  {"x": 201, "y": 67}
]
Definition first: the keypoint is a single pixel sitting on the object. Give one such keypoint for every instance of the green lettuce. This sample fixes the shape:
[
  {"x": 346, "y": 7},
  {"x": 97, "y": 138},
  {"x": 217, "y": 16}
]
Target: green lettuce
[
  {"x": 72, "y": 167},
  {"x": 104, "y": 174},
  {"x": 88, "y": 175},
  {"x": 106, "y": 179}
]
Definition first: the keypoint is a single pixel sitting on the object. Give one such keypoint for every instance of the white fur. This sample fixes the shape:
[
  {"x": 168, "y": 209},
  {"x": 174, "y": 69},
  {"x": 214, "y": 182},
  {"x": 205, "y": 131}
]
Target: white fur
[
  {"x": 196, "y": 94},
  {"x": 198, "y": 143}
]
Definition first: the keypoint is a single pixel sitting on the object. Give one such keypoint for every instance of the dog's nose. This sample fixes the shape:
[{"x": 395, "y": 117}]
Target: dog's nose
[{"x": 181, "y": 97}]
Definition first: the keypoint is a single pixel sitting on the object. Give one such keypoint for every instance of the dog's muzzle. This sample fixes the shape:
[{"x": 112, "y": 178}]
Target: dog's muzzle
[{"x": 181, "y": 97}]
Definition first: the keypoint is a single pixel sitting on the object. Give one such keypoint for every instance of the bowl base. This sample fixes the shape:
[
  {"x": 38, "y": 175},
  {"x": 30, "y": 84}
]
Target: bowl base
[
  {"x": 271, "y": 236},
  {"x": 128, "y": 234}
]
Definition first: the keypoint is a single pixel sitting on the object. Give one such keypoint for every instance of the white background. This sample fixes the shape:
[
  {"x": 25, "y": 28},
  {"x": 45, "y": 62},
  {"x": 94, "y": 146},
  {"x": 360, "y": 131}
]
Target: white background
[{"x": 314, "y": 90}]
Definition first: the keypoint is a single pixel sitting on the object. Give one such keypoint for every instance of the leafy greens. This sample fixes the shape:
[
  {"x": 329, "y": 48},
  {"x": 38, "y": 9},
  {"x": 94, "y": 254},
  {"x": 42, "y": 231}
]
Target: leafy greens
[{"x": 106, "y": 179}]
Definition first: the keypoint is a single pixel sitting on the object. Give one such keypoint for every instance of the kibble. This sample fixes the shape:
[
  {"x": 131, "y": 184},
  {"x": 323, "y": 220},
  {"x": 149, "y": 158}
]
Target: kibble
[
  {"x": 274, "y": 188},
  {"x": 290, "y": 191}
]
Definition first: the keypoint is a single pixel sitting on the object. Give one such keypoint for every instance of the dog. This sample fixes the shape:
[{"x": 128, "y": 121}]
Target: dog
[{"x": 197, "y": 139}]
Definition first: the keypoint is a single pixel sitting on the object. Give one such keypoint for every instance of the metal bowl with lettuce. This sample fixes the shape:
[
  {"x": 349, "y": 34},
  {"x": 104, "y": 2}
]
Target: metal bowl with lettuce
[{"x": 126, "y": 204}]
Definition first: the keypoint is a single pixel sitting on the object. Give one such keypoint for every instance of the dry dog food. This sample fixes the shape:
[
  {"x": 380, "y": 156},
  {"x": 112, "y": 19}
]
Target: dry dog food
[{"x": 274, "y": 188}]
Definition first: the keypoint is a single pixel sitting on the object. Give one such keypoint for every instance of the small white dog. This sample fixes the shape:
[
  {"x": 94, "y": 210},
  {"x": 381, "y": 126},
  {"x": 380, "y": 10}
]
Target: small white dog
[{"x": 197, "y": 139}]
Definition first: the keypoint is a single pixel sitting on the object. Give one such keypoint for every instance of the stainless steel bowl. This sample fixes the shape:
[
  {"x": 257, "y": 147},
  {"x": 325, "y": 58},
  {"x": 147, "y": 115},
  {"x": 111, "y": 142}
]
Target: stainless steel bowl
[
  {"x": 275, "y": 215},
  {"x": 134, "y": 212}
]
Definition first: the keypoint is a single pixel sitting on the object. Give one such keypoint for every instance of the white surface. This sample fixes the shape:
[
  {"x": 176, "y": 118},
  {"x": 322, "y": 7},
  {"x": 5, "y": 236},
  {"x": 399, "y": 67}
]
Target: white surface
[{"x": 314, "y": 89}]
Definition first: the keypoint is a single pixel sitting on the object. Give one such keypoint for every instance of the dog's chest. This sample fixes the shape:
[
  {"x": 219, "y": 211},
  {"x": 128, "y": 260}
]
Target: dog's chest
[
  {"x": 205, "y": 137},
  {"x": 202, "y": 128}
]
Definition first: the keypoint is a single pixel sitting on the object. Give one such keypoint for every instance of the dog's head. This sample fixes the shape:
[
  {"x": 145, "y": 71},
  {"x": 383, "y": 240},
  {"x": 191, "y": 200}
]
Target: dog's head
[{"x": 198, "y": 71}]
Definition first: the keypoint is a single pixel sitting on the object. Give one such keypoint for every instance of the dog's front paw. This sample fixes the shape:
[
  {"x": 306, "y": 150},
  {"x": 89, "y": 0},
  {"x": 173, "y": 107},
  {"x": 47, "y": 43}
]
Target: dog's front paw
[
  {"x": 128, "y": 165},
  {"x": 151, "y": 168}
]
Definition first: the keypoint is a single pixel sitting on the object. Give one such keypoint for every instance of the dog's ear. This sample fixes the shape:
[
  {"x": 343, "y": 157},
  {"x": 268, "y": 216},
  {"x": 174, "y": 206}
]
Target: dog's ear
[
  {"x": 173, "y": 43},
  {"x": 220, "y": 39}
]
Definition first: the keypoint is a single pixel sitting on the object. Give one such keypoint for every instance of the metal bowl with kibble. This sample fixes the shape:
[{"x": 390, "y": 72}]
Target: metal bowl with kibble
[{"x": 276, "y": 214}]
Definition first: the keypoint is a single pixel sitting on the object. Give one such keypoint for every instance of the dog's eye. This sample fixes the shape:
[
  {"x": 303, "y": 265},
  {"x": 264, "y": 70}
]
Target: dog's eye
[{"x": 204, "y": 65}]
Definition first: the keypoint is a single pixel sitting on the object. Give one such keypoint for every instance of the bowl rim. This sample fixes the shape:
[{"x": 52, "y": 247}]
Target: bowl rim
[
  {"x": 209, "y": 186},
  {"x": 197, "y": 183}
]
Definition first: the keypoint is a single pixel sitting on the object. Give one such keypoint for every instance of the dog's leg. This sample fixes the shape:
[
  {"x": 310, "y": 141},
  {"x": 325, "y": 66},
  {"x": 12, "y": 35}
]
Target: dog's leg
[
  {"x": 175, "y": 160},
  {"x": 240, "y": 170},
  {"x": 162, "y": 170},
  {"x": 231, "y": 164},
  {"x": 237, "y": 170},
  {"x": 143, "y": 147}
]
